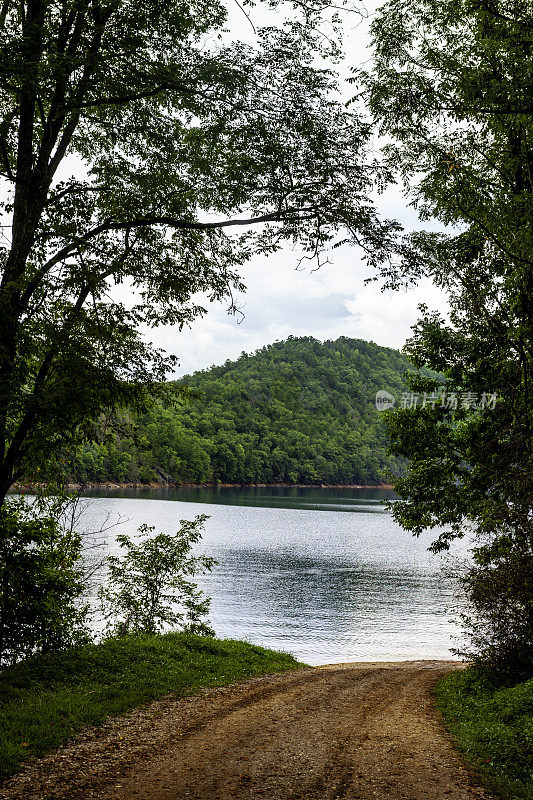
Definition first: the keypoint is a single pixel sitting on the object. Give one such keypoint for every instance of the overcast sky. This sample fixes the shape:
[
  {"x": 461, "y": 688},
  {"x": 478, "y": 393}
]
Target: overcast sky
[{"x": 281, "y": 301}]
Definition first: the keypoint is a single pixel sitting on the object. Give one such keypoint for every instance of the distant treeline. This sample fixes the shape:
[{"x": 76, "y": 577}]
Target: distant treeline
[{"x": 298, "y": 411}]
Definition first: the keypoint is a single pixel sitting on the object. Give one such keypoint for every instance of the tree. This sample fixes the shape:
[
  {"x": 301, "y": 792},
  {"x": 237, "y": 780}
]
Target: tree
[
  {"x": 499, "y": 620},
  {"x": 190, "y": 155},
  {"x": 452, "y": 86},
  {"x": 148, "y": 588}
]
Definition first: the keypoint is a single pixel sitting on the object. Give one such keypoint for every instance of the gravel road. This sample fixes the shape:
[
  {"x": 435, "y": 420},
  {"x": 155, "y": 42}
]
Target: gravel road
[{"x": 341, "y": 732}]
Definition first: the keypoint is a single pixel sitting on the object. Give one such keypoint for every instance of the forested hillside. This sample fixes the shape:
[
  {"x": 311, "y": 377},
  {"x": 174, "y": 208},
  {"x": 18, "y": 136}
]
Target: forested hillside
[{"x": 298, "y": 411}]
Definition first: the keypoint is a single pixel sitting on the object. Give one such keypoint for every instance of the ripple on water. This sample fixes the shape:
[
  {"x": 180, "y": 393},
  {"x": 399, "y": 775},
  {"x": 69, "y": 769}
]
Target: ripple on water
[{"x": 325, "y": 585}]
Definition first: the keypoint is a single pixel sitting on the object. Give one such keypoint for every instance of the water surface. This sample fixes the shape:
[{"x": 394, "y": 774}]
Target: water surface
[{"x": 323, "y": 573}]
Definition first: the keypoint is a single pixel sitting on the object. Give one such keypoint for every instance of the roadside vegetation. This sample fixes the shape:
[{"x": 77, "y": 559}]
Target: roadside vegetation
[
  {"x": 54, "y": 677},
  {"x": 493, "y": 727},
  {"x": 451, "y": 85},
  {"x": 48, "y": 698}
]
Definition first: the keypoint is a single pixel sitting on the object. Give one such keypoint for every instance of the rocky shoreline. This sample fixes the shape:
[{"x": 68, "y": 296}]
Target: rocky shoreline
[{"x": 171, "y": 485}]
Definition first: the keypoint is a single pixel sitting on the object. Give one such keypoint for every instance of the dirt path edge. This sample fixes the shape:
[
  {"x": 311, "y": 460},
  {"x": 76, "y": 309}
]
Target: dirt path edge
[{"x": 358, "y": 731}]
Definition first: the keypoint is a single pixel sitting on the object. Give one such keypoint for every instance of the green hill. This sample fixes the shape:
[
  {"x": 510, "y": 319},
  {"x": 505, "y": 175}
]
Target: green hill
[{"x": 298, "y": 411}]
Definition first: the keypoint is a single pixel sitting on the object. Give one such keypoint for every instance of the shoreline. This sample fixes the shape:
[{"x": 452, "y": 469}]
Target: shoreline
[{"x": 28, "y": 485}]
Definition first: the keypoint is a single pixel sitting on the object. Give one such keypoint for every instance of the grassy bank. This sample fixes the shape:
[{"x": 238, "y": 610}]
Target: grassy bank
[
  {"x": 46, "y": 699},
  {"x": 494, "y": 729}
]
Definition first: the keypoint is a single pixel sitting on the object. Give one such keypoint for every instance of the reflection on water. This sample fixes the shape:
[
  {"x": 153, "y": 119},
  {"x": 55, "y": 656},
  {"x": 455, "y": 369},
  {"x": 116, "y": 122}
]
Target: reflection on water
[
  {"x": 339, "y": 499},
  {"x": 297, "y": 575}
]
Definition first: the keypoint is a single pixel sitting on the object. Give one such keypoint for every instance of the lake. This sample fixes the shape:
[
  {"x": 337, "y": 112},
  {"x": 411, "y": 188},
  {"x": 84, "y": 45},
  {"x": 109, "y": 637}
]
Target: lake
[{"x": 323, "y": 573}]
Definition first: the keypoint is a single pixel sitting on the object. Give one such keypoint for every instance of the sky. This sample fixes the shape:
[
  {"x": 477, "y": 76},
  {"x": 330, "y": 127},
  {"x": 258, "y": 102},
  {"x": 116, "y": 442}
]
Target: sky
[{"x": 282, "y": 300}]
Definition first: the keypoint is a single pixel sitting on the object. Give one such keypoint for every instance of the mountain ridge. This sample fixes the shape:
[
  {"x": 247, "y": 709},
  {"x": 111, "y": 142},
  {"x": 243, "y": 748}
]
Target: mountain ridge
[{"x": 299, "y": 411}]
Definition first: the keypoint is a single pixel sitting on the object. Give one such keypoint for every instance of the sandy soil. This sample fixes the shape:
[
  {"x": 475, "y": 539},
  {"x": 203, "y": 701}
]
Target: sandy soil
[{"x": 341, "y": 732}]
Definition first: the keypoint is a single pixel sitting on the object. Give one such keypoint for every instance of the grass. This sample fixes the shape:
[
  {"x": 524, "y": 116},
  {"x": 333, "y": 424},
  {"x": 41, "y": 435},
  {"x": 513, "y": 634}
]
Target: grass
[
  {"x": 46, "y": 699},
  {"x": 493, "y": 727}
]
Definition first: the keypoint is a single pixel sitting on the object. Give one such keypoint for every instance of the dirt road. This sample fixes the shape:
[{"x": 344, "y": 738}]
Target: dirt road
[{"x": 342, "y": 732}]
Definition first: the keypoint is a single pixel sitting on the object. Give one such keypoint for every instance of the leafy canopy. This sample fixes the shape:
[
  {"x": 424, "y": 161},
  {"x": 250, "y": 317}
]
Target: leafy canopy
[
  {"x": 140, "y": 149},
  {"x": 452, "y": 85}
]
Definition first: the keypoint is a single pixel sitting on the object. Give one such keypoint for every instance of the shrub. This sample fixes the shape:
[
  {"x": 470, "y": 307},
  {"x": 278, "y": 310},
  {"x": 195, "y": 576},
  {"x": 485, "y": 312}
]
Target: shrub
[
  {"x": 41, "y": 578},
  {"x": 148, "y": 588},
  {"x": 499, "y": 588}
]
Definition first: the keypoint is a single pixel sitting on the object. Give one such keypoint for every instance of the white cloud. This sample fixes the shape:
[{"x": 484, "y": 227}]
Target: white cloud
[
  {"x": 282, "y": 301},
  {"x": 332, "y": 302}
]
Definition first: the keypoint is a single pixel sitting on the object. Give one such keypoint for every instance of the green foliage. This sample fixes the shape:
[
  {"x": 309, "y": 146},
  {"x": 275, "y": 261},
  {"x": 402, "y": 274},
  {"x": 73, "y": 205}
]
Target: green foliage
[
  {"x": 45, "y": 700},
  {"x": 41, "y": 580},
  {"x": 299, "y": 411},
  {"x": 448, "y": 79},
  {"x": 500, "y": 622},
  {"x": 192, "y": 154},
  {"x": 145, "y": 586},
  {"x": 452, "y": 85},
  {"x": 494, "y": 729}
]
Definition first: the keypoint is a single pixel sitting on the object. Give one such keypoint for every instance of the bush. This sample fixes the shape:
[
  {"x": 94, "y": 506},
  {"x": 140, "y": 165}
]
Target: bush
[
  {"x": 148, "y": 587},
  {"x": 41, "y": 579},
  {"x": 499, "y": 588}
]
